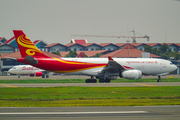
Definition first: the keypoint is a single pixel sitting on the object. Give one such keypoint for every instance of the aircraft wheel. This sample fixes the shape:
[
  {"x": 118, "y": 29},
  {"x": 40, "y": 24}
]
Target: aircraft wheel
[
  {"x": 159, "y": 79},
  {"x": 101, "y": 80},
  {"x": 94, "y": 81},
  {"x": 43, "y": 76},
  {"x": 47, "y": 76},
  {"x": 107, "y": 80},
  {"x": 18, "y": 76},
  {"x": 87, "y": 80}
]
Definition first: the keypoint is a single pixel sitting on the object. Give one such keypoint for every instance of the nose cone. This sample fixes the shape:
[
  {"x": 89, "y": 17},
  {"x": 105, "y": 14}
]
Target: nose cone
[
  {"x": 173, "y": 67},
  {"x": 10, "y": 71}
]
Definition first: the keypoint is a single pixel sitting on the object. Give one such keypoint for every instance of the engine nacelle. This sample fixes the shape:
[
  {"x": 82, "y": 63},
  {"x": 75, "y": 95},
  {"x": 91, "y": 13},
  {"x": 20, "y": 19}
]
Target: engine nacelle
[
  {"x": 131, "y": 74},
  {"x": 37, "y": 74}
]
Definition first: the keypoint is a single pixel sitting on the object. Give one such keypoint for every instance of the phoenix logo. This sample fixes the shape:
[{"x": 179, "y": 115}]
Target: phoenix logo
[
  {"x": 23, "y": 67},
  {"x": 25, "y": 42}
]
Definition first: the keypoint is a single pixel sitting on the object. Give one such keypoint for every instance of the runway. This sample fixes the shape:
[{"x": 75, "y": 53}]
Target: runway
[
  {"x": 95, "y": 113},
  {"x": 149, "y": 84}
]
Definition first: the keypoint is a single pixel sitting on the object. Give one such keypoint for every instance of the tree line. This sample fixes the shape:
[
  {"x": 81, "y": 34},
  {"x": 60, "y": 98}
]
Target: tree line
[{"x": 164, "y": 51}]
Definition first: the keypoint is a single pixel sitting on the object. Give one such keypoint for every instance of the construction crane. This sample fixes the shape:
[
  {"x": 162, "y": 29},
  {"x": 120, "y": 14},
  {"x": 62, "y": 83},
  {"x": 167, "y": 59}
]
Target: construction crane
[{"x": 133, "y": 37}]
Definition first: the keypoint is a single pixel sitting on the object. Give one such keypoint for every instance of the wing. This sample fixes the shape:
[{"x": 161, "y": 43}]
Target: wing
[{"x": 112, "y": 67}]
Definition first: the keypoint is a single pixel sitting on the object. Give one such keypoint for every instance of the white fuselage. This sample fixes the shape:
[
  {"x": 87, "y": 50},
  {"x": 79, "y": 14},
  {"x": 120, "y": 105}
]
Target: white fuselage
[
  {"x": 148, "y": 66},
  {"x": 24, "y": 69}
]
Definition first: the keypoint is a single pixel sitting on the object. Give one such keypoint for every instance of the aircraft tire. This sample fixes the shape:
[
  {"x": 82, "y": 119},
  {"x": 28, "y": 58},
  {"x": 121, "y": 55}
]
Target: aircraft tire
[
  {"x": 94, "y": 81},
  {"x": 87, "y": 80},
  {"x": 47, "y": 76},
  {"x": 107, "y": 81},
  {"x": 101, "y": 80},
  {"x": 43, "y": 76},
  {"x": 159, "y": 80}
]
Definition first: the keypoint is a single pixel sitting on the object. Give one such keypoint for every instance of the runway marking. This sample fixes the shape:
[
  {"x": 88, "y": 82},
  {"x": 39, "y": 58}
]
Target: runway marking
[
  {"x": 63, "y": 113},
  {"x": 10, "y": 86},
  {"x": 145, "y": 84}
]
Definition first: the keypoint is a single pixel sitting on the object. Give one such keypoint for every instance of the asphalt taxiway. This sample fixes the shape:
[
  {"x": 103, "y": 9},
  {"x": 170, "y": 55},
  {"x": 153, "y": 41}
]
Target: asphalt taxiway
[
  {"x": 95, "y": 113},
  {"x": 150, "y": 84},
  {"x": 15, "y": 77}
]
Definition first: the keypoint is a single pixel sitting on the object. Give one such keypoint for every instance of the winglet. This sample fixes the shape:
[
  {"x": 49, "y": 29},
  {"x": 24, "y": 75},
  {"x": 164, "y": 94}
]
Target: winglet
[
  {"x": 26, "y": 46},
  {"x": 110, "y": 58}
]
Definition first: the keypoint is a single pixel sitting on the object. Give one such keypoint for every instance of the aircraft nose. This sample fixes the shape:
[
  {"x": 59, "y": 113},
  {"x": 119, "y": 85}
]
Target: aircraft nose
[
  {"x": 10, "y": 71},
  {"x": 175, "y": 67}
]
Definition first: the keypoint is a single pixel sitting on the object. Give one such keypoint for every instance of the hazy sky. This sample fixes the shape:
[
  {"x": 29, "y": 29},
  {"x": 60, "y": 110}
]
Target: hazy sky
[{"x": 55, "y": 20}]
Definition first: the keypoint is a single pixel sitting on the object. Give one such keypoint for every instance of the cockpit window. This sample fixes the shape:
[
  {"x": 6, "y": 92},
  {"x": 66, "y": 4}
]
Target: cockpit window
[
  {"x": 171, "y": 63},
  {"x": 14, "y": 68}
]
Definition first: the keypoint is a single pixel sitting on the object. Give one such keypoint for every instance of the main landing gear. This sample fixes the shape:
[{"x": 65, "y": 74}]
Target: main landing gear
[
  {"x": 159, "y": 78},
  {"x": 101, "y": 80},
  {"x": 45, "y": 76},
  {"x": 19, "y": 76},
  {"x": 92, "y": 80}
]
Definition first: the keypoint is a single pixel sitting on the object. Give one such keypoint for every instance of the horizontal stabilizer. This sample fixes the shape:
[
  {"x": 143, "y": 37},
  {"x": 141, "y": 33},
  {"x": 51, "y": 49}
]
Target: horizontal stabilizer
[
  {"x": 31, "y": 60},
  {"x": 11, "y": 58}
]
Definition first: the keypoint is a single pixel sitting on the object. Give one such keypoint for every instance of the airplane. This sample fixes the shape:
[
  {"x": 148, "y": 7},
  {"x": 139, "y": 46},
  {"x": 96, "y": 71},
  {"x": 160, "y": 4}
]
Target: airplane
[
  {"x": 104, "y": 69},
  {"x": 28, "y": 70}
]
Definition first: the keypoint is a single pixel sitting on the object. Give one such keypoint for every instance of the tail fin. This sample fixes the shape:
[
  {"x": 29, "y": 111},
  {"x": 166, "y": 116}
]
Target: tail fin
[
  {"x": 110, "y": 58},
  {"x": 81, "y": 55},
  {"x": 26, "y": 47}
]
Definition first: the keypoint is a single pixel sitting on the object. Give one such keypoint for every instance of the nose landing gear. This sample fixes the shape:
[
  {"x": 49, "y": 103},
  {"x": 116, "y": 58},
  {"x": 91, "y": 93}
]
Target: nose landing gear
[{"x": 159, "y": 78}]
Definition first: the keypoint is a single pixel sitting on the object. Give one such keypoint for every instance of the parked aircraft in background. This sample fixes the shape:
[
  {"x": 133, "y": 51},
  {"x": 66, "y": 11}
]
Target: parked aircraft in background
[
  {"x": 31, "y": 70},
  {"x": 28, "y": 70},
  {"x": 105, "y": 69}
]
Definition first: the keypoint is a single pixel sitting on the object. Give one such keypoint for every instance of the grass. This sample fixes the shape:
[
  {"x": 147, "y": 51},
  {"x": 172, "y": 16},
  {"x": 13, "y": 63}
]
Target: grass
[
  {"x": 83, "y": 80},
  {"x": 70, "y": 103},
  {"x": 89, "y": 96}
]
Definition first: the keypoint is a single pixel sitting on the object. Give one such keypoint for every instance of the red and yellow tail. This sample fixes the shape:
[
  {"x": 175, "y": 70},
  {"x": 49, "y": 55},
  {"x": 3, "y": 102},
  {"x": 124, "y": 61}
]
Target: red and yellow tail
[{"x": 26, "y": 47}]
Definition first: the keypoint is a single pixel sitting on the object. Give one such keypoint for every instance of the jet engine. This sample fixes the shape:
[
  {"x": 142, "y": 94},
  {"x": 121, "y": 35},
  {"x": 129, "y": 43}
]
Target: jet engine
[
  {"x": 36, "y": 74},
  {"x": 131, "y": 74}
]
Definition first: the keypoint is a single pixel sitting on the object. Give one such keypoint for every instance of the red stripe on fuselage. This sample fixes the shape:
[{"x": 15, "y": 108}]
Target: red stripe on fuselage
[
  {"x": 127, "y": 67},
  {"x": 63, "y": 66}
]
